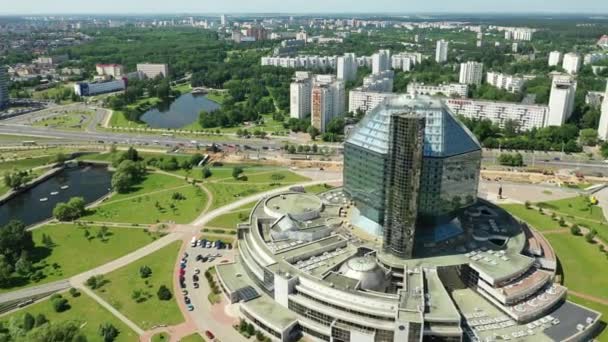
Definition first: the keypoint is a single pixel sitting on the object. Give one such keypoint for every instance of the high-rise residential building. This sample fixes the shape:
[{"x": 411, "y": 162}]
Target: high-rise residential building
[
  {"x": 328, "y": 100},
  {"x": 4, "y": 94},
  {"x": 376, "y": 87},
  {"x": 111, "y": 70},
  {"x": 153, "y": 70},
  {"x": 300, "y": 95},
  {"x": 561, "y": 100},
  {"x": 223, "y": 20},
  {"x": 257, "y": 32},
  {"x": 382, "y": 81},
  {"x": 347, "y": 67},
  {"x": 603, "y": 42},
  {"x": 441, "y": 51},
  {"x": 602, "y": 130},
  {"x": 572, "y": 63},
  {"x": 302, "y": 35},
  {"x": 554, "y": 58},
  {"x": 381, "y": 61},
  {"x": 471, "y": 73}
]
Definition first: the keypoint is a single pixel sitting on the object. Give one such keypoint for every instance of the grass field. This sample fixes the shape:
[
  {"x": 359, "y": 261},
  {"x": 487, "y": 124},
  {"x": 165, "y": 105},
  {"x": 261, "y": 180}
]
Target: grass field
[
  {"x": 231, "y": 219},
  {"x": 315, "y": 189},
  {"x": 532, "y": 217},
  {"x": 24, "y": 164},
  {"x": 581, "y": 262},
  {"x": 218, "y": 96},
  {"x": 69, "y": 121},
  {"x": 576, "y": 206},
  {"x": 193, "y": 338},
  {"x": 162, "y": 337},
  {"x": 73, "y": 253},
  {"x": 9, "y": 138},
  {"x": 603, "y": 309},
  {"x": 84, "y": 310},
  {"x": 153, "y": 207},
  {"x": 151, "y": 312},
  {"x": 226, "y": 193}
]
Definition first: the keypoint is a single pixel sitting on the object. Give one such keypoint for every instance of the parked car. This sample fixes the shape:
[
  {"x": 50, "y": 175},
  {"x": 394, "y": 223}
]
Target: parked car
[
  {"x": 199, "y": 257},
  {"x": 185, "y": 292},
  {"x": 190, "y": 307},
  {"x": 197, "y": 271},
  {"x": 195, "y": 278},
  {"x": 187, "y": 300},
  {"x": 195, "y": 285},
  {"x": 209, "y": 334}
]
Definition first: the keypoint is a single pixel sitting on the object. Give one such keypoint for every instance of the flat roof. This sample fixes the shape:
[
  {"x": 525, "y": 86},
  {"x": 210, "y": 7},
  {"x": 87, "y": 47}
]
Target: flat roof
[
  {"x": 439, "y": 303},
  {"x": 270, "y": 312}
]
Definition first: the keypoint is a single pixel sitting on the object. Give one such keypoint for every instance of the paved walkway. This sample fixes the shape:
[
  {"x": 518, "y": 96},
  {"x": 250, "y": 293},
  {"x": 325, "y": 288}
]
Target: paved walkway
[
  {"x": 589, "y": 297},
  {"x": 110, "y": 308}
]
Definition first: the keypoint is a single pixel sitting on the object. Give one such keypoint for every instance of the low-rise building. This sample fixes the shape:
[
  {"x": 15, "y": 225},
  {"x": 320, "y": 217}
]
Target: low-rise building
[
  {"x": 96, "y": 88},
  {"x": 446, "y": 89},
  {"x": 153, "y": 70},
  {"x": 110, "y": 70},
  {"x": 527, "y": 116}
]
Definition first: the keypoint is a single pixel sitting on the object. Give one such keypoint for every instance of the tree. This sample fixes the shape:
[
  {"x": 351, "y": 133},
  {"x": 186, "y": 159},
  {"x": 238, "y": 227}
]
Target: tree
[
  {"x": 145, "y": 272},
  {"x": 40, "y": 320},
  {"x": 588, "y": 137},
  {"x": 277, "y": 177},
  {"x": 164, "y": 293},
  {"x": 250, "y": 329},
  {"x": 74, "y": 209},
  {"x": 23, "y": 266},
  {"x": 206, "y": 173},
  {"x": 108, "y": 332},
  {"x": 259, "y": 336},
  {"x": 60, "y": 304},
  {"x": 14, "y": 239},
  {"x": 575, "y": 230},
  {"x": 236, "y": 172},
  {"x": 6, "y": 271},
  {"x": 313, "y": 132},
  {"x": 28, "y": 321},
  {"x": 121, "y": 182}
]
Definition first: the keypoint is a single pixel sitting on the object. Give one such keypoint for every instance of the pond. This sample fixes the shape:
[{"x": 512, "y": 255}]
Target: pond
[
  {"x": 88, "y": 182},
  {"x": 179, "y": 113}
]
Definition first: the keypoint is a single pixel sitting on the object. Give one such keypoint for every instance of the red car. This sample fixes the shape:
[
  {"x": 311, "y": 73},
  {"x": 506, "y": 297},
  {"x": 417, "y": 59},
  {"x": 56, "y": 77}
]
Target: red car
[{"x": 209, "y": 334}]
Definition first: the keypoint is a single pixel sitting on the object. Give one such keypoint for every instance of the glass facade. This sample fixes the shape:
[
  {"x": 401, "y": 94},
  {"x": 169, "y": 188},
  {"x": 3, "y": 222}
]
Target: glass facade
[
  {"x": 364, "y": 180},
  {"x": 402, "y": 183}
]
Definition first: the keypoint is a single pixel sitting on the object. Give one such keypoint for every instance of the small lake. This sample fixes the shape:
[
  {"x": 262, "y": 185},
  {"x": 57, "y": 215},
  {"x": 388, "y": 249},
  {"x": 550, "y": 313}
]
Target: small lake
[
  {"x": 88, "y": 182},
  {"x": 179, "y": 113}
]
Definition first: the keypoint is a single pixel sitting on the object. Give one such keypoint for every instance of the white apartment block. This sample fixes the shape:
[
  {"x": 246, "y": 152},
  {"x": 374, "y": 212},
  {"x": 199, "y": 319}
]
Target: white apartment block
[
  {"x": 555, "y": 57},
  {"x": 471, "y": 73},
  {"x": 602, "y": 130},
  {"x": 365, "y": 100},
  {"x": 300, "y": 94},
  {"x": 561, "y": 100},
  {"x": 572, "y": 63},
  {"x": 595, "y": 57},
  {"x": 406, "y": 60},
  {"x": 441, "y": 51},
  {"x": 304, "y": 62},
  {"x": 507, "y": 82},
  {"x": 382, "y": 82},
  {"x": 381, "y": 61},
  {"x": 449, "y": 90},
  {"x": 518, "y": 33},
  {"x": 528, "y": 116},
  {"x": 153, "y": 70},
  {"x": 112, "y": 70},
  {"x": 328, "y": 100},
  {"x": 347, "y": 67}
]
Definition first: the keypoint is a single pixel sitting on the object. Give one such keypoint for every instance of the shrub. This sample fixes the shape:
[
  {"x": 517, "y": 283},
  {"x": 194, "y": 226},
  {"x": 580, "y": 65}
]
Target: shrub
[
  {"x": 164, "y": 293},
  {"x": 60, "y": 304},
  {"x": 145, "y": 272},
  {"x": 575, "y": 230},
  {"x": 74, "y": 292}
]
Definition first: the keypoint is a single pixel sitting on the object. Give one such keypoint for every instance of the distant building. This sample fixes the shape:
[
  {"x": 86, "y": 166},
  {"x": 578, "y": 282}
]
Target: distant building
[
  {"x": 153, "y": 70},
  {"x": 603, "y": 42},
  {"x": 51, "y": 61},
  {"x": 94, "y": 88},
  {"x": 300, "y": 93},
  {"x": 382, "y": 81},
  {"x": 223, "y": 20},
  {"x": 405, "y": 61},
  {"x": 554, "y": 58},
  {"x": 327, "y": 100},
  {"x": 381, "y": 61},
  {"x": 4, "y": 94},
  {"x": 561, "y": 100},
  {"x": 347, "y": 67},
  {"x": 572, "y": 63},
  {"x": 471, "y": 73},
  {"x": 595, "y": 57},
  {"x": 257, "y": 32},
  {"x": 509, "y": 83},
  {"x": 527, "y": 116},
  {"x": 376, "y": 88},
  {"x": 302, "y": 35},
  {"x": 111, "y": 70},
  {"x": 449, "y": 90},
  {"x": 603, "y": 127},
  {"x": 441, "y": 51}
]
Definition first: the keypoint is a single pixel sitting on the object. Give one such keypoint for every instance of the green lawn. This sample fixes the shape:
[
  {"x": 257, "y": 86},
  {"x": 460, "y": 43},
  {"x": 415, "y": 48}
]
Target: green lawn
[
  {"x": 582, "y": 264},
  {"x": 162, "y": 337},
  {"x": 535, "y": 219},
  {"x": 73, "y": 253},
  {"x": 9, "y": 138},
  {"x": 226, "y": 193},
  {"x": 319, "y": 188},
  {"x": 154, "y": 182},
  {"x": 285, "y": 177},
  {"x": 151, "y": 312},
  {"x": 83, "y": 310},
  {"x": 217, "y": 96},
  {"x": 231, "y": 219},
  {"x": 193, "y": 338},
  {"x": 153, "y": 208},
  {"x": 575, "y": 206},
  {"x": 24, "y": 164},
  {"x": 603, "y": 309},
  {"x": 71, "y": 121}
]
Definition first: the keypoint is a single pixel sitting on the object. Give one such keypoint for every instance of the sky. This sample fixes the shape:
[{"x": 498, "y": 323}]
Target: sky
[{"x": 299, "y": 6}]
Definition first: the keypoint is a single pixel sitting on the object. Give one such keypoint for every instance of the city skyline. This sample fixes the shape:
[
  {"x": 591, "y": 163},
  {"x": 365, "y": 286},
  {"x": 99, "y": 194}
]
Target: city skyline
[{"x": 314, "y": 6}]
